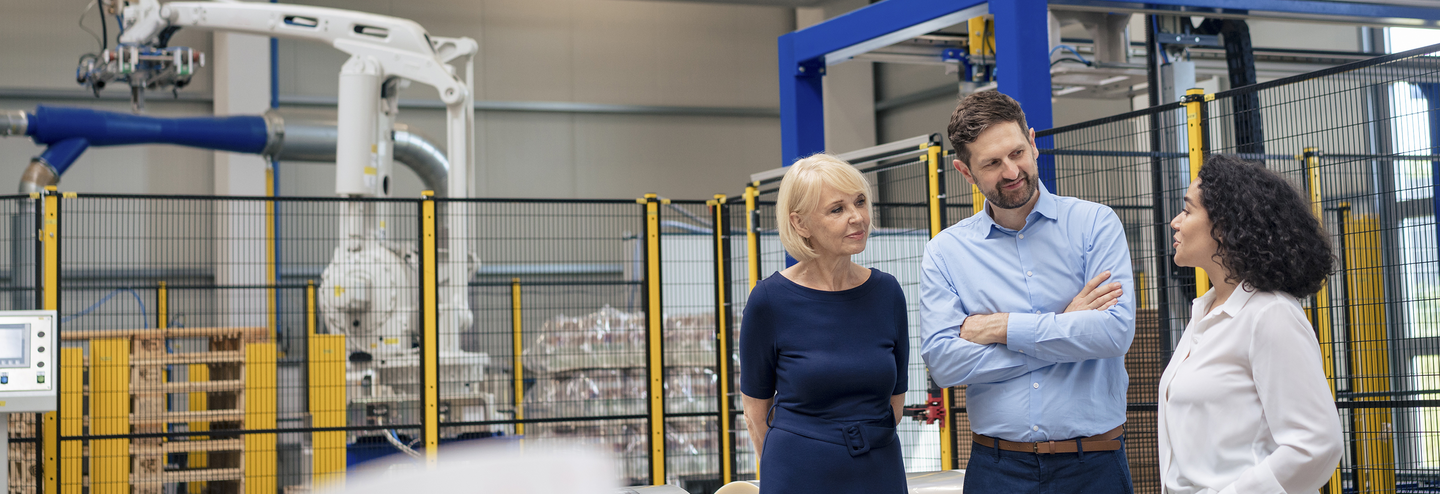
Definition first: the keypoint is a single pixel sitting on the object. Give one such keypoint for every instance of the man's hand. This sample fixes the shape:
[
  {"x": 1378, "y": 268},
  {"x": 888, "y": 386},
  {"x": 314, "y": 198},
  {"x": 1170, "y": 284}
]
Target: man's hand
[
  {"x": 985, "y": 329},
  {"x": 1094, "y": 296}
]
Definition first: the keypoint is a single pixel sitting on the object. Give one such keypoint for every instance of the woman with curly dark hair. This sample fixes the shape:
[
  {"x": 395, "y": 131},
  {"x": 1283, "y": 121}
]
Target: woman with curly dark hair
[{"x": 1244, "y": 406}]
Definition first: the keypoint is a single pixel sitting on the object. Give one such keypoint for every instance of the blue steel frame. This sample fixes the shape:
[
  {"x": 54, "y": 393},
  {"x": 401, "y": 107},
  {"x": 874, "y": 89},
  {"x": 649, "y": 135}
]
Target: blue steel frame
[
  {"x": 802, "y": 64},
  {"x": 1021, "y": 57}
]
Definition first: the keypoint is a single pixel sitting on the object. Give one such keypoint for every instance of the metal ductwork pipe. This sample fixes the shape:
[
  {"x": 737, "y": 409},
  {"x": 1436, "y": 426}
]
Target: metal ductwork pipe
[
  {"x": 37, "y": 176},
  {"x": 315, "y": 141}
]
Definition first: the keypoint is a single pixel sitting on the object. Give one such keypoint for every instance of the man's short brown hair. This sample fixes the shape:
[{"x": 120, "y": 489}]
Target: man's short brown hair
[{"x": 978, "y": 112}]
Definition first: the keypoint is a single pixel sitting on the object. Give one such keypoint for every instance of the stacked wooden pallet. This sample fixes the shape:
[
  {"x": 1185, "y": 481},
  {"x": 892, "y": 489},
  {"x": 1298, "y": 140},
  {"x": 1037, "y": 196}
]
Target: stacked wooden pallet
[
  {"x": 131, "y": 378},
  {"x": 24, "y": 470}
]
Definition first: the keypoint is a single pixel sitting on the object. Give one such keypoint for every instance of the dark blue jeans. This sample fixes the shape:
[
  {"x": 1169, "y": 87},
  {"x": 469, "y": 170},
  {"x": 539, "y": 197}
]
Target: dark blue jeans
[{"x": 997, "y": 471}]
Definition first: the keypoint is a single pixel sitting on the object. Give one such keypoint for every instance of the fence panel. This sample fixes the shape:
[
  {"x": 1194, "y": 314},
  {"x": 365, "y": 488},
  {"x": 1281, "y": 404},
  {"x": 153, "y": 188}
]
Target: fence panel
[
  {"x": 1362, "y": 141},
  {"x": 18, "y": 255},
  {"x": 196, "y": 314}
]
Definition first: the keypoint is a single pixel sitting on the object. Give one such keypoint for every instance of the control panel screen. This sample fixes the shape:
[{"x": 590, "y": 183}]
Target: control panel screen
[{"x": 14, "y": 345}]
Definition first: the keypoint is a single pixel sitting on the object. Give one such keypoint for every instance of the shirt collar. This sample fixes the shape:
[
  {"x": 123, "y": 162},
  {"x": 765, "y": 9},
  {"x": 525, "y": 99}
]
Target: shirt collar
[
  {"x": 1044, "y": 206},
  {"x": 1231, "y": 307}
]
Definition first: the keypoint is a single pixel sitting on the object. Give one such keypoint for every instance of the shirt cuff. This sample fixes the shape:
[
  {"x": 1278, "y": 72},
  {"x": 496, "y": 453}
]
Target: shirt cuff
[
  {"x": 1022, "y": 331},
  {"x": 1260, "y": 480}
]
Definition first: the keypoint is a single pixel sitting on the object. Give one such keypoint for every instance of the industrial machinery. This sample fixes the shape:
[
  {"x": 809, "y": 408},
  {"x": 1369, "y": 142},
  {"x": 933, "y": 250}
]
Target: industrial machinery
[
  {"x": 27, "y": 370},
  {"x": 363, "y": 292}
]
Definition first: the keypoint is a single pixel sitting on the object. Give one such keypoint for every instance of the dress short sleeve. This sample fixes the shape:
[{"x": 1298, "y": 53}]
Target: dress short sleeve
[
  {"x": 758, "y": 352},
  {"x": 902, "y": 341}
]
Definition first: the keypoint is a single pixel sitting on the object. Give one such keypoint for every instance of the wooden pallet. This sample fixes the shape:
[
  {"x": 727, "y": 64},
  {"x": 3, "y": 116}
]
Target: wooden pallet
[
  {"x": 24, "y": 469},
  {"x": 218, "y": 380}
]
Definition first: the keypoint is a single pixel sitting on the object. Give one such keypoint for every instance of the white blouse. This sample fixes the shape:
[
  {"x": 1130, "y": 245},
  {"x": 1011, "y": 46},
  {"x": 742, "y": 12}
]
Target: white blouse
[{"x": 1248, "y": 411}]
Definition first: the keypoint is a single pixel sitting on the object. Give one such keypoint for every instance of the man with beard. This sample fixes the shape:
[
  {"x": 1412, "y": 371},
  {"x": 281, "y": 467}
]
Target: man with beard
[{"x": 1006, "y": 309}]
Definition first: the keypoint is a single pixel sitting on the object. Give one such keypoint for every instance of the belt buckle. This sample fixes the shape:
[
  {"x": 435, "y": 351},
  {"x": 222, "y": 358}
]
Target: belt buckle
[
  {"x": 855, "y": 440},
  {"x": 1049, "y": 447}
]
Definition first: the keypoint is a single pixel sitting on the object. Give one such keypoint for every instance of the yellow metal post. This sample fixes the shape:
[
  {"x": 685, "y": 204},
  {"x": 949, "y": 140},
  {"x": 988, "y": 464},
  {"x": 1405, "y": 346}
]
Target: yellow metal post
[
  {"x": 932, "y": 172},
  {"x": 310, "y": 317},
  {"x": 1320, "y": 312},
  {"x": 430, "y": 338},
  {"x": 162, "y": 306},
  {"x": 327, "y": 400},
  {"x": 977, "y": 199},
  {"x": 654, "y": 350},
  {"x": 110, "y": 414},
  {"x": 199, "y": 401},
  {"x": 72, "y": 402},
  {"x": 1369, "y": 352},
  {"x": 1195, "y": 138},
  {"x": 271, "y": 311},
  {"x": 50, "y": 300},
  {"x": 722, "y": 339},
  {"x": 515, "y": 322},
  {"x": 260, "y": 388},
  {"x": 752, "y": 242}
]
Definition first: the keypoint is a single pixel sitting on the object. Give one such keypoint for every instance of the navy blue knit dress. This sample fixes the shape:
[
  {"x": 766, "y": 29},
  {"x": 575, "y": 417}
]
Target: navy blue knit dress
[{"x": 831, "y": 360}]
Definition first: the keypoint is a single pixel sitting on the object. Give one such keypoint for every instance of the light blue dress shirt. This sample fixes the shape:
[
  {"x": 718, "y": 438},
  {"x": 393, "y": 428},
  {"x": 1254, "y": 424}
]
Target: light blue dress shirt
[{"x": 1059, "y": 376}]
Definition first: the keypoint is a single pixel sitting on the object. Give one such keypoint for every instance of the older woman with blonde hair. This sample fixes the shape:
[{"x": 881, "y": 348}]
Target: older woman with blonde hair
[{"x": 824, "y": 345}]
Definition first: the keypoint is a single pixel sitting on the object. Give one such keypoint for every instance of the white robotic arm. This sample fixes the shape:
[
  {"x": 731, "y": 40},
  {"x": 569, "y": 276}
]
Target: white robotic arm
[
  {"x": 382, "y": 49},
  {"x": 400, "y": 46}
]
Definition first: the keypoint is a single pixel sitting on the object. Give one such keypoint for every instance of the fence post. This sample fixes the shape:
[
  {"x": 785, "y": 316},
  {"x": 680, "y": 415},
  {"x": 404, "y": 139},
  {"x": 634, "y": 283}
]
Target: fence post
[
  {"x": 752, "y": 242},
  {"x": 430, "y": 337},
  {"x": 518, "y": 366},
  {"x": 272, "y": 278},
  {"x": 655, "y": 341},
  {"x": 933, "y": 165},
  {"x": 1320, "y": 307},
  {"x": 1195, "y": 125},
  {"x": 49, "y": 266},
  {"x": 1370, "y": 371},
  {"x": 722, "y": 336}
]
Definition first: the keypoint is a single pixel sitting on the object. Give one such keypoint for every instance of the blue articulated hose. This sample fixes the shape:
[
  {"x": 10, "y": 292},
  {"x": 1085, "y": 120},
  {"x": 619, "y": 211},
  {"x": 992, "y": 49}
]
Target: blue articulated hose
[{"x": 69, "y": 131}]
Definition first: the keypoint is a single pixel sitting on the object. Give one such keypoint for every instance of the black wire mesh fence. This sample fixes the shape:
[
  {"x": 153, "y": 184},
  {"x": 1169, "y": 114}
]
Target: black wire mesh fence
[
  {"x": 18, "y": 254},
  {"x": 1363, "y": 141},
  {"x": 221, "y": 343}
]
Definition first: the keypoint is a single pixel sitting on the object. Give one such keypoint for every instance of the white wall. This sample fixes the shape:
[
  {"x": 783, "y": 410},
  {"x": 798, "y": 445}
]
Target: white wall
[{"x": 586, "y": 51}]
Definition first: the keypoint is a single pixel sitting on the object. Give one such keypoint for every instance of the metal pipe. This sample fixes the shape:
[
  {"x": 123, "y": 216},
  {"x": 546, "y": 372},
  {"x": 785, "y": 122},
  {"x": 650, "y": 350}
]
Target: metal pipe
[
  {"x": 37, "y": 176},
  {"x": 315, "y": 141},
  {"x": 423, "y": 157},
  {"x": 13, "y": 122}
]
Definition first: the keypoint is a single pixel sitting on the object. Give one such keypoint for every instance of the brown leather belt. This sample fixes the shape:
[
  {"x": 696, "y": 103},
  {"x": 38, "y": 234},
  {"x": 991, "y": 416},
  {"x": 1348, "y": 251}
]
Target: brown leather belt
[{"x": 1100, "y": 442}]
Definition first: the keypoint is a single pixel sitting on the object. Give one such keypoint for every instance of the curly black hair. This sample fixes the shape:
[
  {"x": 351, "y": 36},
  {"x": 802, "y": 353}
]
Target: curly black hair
[{"x": 1267, "y": 235}]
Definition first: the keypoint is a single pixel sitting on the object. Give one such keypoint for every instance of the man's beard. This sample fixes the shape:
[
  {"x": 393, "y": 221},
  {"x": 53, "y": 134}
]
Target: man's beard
[{"x": 1014, "y": 199}]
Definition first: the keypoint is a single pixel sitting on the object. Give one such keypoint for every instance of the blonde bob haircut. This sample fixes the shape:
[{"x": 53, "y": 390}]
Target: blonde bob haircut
[{"x": 800, "y": 193}]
